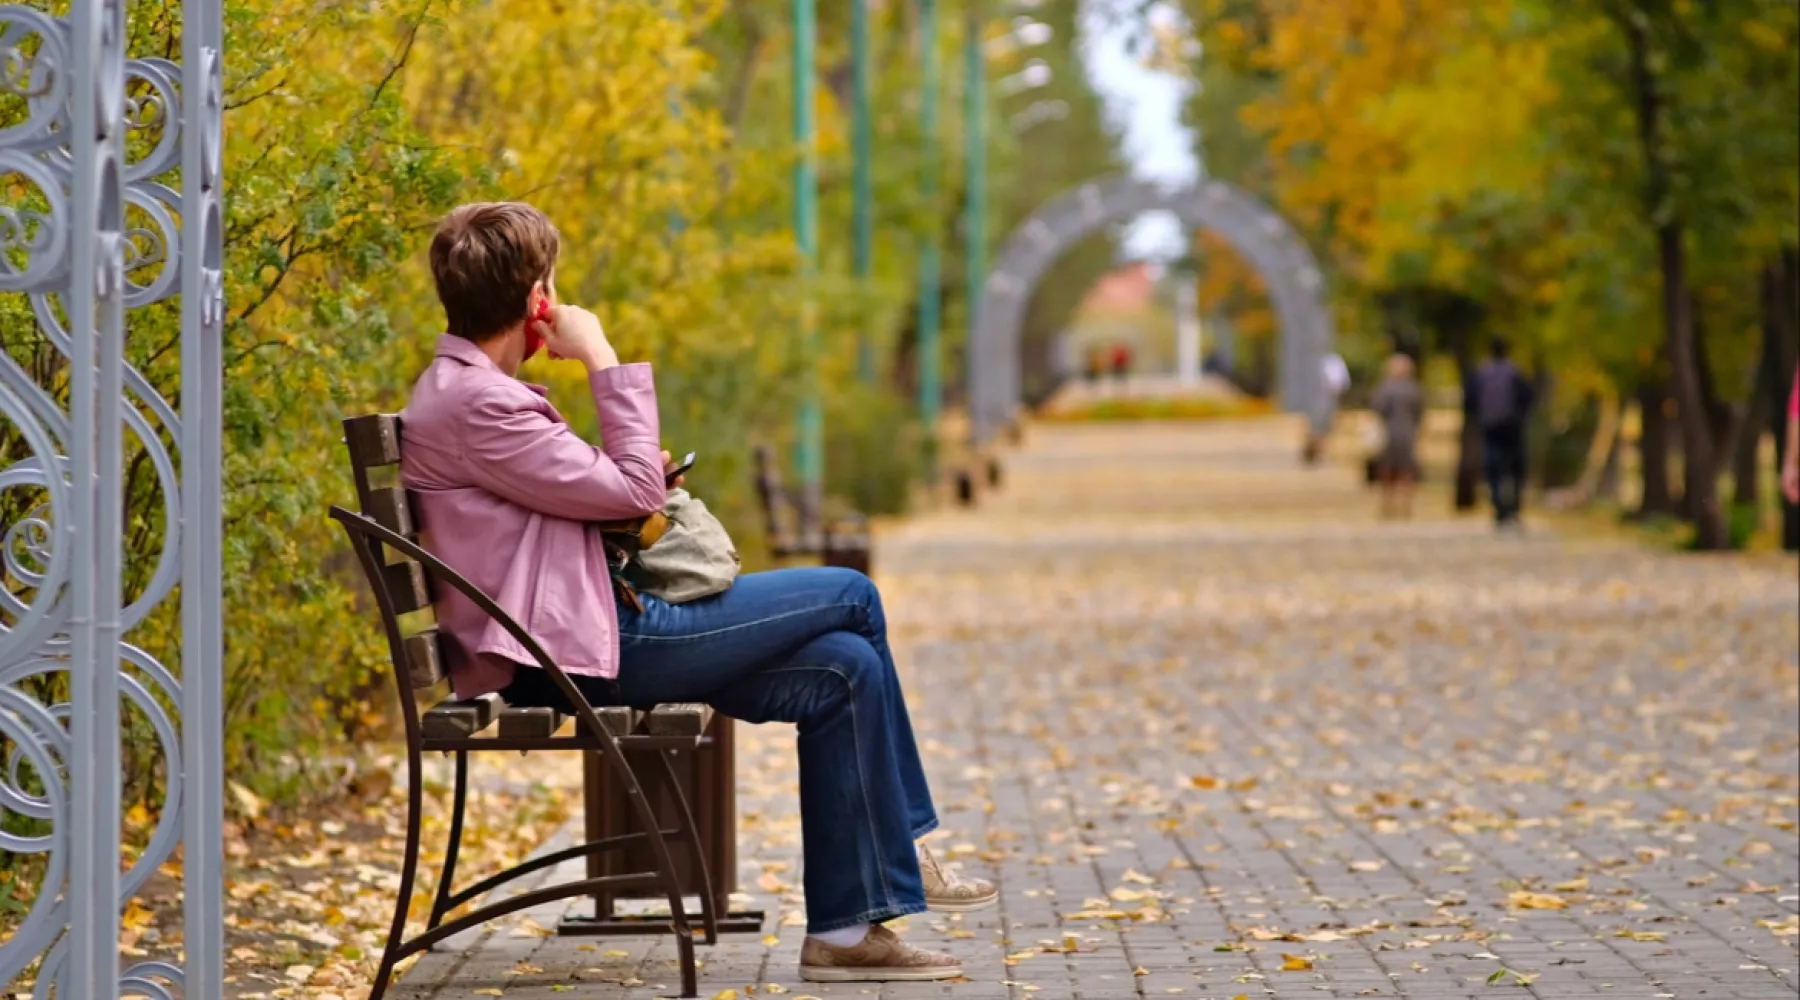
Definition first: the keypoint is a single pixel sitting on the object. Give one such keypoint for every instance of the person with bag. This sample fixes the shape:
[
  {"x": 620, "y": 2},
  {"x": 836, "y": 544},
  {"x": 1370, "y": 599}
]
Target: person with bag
[
  {"x": 513, "y": 499},
  {"x": 1498, "y": 398},
  {"x": 1400, "y": 404}
]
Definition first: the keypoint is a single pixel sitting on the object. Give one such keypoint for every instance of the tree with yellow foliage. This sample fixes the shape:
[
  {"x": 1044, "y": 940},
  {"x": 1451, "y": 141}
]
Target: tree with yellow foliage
[{"x": 1573, "y": 175}]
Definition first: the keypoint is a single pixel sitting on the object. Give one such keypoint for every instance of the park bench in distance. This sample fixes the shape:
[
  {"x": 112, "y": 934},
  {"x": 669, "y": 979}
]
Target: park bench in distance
[
  {"x": 791, "y": 530},
  {"x": 640, "y": 765}
]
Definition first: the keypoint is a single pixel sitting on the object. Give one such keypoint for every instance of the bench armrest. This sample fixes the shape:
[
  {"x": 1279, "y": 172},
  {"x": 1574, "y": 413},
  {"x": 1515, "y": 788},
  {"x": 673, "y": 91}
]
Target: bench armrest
[{"x": 363, "y": 530}]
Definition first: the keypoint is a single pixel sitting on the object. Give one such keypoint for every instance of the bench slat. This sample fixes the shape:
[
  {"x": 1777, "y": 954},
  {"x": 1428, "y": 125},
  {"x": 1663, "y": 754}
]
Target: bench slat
[
  {"x": 529, "y": 723},
  {"x": 406, "y": 584},
  {"x": 450, "y": 718},
  {"x": 391, "y": 508},
  {"x": 619, "y": 720},
  {"x": 679, "y": 719},
  {"x": 373, "y": 439},
  {"x": 424, "y": 658}
]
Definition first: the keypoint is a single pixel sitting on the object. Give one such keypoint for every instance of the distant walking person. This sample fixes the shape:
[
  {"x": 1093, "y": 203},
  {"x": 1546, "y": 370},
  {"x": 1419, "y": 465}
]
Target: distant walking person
[
  {"x": 1400, "y": 403},
  {"x": 1121, "y": 360},
  {"x": 1498, "y": 398},
  {"x": 1334, "y": 378}
]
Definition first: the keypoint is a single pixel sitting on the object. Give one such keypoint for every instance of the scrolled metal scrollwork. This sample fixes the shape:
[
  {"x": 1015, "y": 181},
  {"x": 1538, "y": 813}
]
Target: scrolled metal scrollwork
[
  {"x": 120, "y": 169},
  {"x": 37, "y": 226},
  {"x": 38, "y": 77}
]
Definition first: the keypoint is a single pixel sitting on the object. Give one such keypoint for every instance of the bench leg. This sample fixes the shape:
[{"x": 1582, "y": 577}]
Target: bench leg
[
  {"x": 459, "y": 796},
  {"x": 409, "y": 868},
  {"x": 665, "y": 864},
  {"x": 709, "y": 917}
]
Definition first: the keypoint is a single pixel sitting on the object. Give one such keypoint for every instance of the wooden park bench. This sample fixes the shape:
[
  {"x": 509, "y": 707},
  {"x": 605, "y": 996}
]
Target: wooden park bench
[
  {"x": 792, "y": 529},
  {"x": 649, "y": 774}
]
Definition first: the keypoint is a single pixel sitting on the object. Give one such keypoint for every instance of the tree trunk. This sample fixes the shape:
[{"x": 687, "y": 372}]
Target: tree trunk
[
  {"x": 1653, "y": 450},
  {"x": 1699, "y": 455},
  {"x": 906, "y": 341},
  {"x": 1602, "y": 459},
  {"x": 1607, "y": 487},
  {"x": 1781, "y": 302},
  {"x": 1699, "y": 460},
  {"x": 1745, "y": 473},
  {"x": 1467, "y": 488},
  {"x": 1748, "y": 441}
]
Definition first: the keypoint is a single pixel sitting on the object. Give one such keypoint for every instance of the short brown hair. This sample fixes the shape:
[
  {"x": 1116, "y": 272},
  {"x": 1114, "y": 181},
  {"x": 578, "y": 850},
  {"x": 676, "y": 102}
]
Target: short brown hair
[{"x": 485, "y": 258}]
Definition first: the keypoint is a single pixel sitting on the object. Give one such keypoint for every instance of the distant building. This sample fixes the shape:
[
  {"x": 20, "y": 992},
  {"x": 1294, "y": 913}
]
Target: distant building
[
  {"x": 1120, "y": 311},
  {"x": 1128, "y": 289}
]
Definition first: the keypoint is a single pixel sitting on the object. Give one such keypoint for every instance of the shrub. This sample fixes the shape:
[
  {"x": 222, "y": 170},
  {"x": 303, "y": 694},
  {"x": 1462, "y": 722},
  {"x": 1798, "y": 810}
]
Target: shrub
[{"x": 873, "y": 452}]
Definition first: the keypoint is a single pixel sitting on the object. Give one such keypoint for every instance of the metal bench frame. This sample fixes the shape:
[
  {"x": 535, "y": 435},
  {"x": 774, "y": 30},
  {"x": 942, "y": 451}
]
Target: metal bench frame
[{"x": 400, "y": 572}]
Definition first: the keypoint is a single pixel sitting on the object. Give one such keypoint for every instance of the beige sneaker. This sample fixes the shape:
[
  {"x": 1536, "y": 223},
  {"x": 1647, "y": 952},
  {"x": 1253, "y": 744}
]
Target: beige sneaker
[
  {"x": 948, "y": 891},
  {"x": 879, "y": 958}
]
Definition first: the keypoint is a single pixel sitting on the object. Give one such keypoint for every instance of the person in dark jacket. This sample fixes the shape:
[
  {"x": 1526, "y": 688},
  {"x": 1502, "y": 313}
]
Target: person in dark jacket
[{"x": 1498, "y": 398}]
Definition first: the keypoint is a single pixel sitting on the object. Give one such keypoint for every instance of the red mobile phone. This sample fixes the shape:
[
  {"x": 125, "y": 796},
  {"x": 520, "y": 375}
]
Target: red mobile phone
[{"x": 533, "y": 339}]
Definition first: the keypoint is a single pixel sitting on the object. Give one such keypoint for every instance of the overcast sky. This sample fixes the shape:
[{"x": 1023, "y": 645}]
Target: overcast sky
[{"x": 1145, "y": 108}]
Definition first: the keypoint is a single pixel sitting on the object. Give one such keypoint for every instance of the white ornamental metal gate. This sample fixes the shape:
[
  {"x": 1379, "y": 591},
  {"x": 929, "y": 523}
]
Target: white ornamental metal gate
[{"x": 110, "y": 176}]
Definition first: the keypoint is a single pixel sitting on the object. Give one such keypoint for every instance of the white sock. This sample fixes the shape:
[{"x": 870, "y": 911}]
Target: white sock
[{"x": 843, "y": 937}]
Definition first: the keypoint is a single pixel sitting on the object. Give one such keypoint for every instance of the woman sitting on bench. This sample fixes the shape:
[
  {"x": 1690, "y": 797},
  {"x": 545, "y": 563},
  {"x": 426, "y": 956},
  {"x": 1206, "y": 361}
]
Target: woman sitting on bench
[{"x": 510, "y": 497}]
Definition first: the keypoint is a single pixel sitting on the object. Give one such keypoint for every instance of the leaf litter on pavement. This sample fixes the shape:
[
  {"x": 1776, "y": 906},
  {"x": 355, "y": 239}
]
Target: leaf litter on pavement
[{"x": 1226, "y": 712}]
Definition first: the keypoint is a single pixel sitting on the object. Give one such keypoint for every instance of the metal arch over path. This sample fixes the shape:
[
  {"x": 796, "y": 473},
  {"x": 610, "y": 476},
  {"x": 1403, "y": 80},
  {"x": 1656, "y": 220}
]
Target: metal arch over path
[{"x": 1256, "y": 231}]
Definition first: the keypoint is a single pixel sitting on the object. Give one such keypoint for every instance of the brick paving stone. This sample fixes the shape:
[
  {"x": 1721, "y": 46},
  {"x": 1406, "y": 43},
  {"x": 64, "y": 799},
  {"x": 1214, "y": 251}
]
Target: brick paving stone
[{"x": 1218, "y": 732}]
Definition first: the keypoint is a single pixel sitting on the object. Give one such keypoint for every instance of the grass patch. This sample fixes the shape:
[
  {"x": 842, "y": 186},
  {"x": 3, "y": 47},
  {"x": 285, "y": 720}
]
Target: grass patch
[{"x": 1178, "y": 408}]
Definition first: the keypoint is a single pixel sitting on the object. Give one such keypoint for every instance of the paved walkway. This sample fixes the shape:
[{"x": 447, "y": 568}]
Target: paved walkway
[{"x": 1219, "y": 732}]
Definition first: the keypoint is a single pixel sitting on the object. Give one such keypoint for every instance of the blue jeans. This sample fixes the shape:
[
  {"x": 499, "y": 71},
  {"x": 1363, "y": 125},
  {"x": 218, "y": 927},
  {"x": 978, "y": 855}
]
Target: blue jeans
[{"x": 806, "y": 646}]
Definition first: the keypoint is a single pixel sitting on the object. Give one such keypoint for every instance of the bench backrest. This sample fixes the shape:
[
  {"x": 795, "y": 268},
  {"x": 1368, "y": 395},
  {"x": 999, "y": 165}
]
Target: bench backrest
[
  {"x": 374, "y": 445},
  {"x": 771, "y": 494}
]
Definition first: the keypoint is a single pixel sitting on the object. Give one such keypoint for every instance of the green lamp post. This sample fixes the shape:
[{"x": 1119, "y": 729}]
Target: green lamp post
[
  {"x": 810, "y": 458},
  {"x": 930, "y": 370},
  {"x": 974, "y": 164},
  {"x": 862, "y": 249}
]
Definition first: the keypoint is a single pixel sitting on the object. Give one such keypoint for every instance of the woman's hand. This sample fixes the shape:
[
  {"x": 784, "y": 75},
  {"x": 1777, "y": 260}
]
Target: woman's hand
[
  {"x": 668, "y": 467},
  {"x": 575, "y": 333}
]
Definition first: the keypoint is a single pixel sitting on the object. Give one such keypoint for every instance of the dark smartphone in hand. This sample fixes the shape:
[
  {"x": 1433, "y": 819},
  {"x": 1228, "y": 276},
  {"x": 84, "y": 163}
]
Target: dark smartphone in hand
[{"x": 679, "y": 471}]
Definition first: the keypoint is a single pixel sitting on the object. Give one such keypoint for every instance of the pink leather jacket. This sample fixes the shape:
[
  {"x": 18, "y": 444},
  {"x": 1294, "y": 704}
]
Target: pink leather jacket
[{"x": 506, "y": 496}]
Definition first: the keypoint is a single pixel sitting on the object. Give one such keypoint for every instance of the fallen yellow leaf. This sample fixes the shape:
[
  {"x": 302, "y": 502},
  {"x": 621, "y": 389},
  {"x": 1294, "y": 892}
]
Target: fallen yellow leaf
[
  {"x": 1536, "y": 901},
  {"x": 770, "y": 882},
  {"x": 1296, "y": 963},
  {"x": 136, "y": 916}
]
